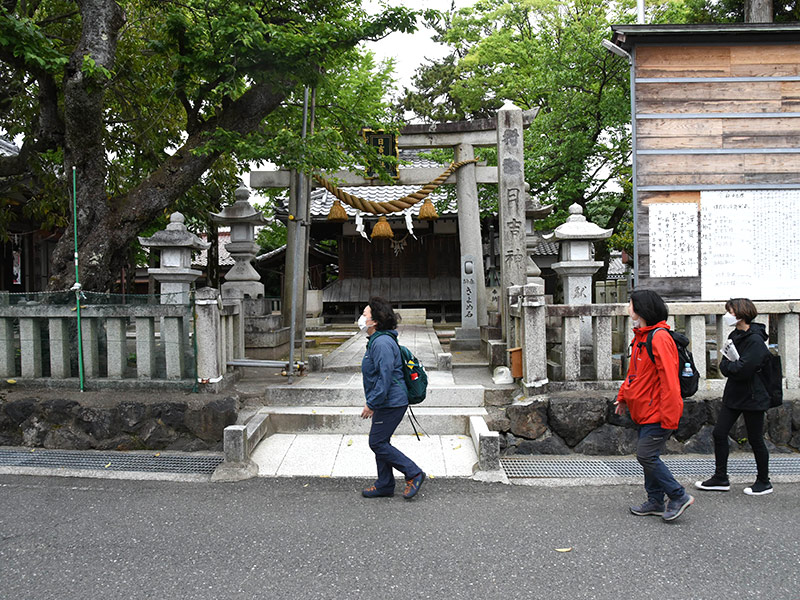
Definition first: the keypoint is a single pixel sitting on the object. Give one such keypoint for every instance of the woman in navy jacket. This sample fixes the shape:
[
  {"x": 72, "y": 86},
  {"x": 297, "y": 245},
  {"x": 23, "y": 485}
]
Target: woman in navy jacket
[
  {"x": 387, "y": 400},
  {"x": 745, "y": 394}
]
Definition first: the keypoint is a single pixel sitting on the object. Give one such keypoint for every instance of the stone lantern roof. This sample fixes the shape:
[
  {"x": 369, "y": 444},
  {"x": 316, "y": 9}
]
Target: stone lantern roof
[
  {"x": 174, "y": 236},
  {"x": 578, "y": 228},
  {"x": 240, "y": 211}
]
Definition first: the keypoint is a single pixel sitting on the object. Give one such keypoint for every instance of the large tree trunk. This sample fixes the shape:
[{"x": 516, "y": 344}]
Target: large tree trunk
[
  {"x": 107, "y": 226},
  {"x": 758, "y": 11}
]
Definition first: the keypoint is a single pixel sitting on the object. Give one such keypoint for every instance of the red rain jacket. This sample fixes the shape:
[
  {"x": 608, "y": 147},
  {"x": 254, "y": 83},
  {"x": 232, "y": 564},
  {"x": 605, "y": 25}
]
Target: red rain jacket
[{"x": 652, "y": 391}]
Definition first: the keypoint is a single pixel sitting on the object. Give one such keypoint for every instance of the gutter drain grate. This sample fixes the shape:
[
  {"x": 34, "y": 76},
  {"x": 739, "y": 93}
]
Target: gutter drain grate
[
  {"x": 202, "y": 464},
  {"x": 534, "y": 468}
]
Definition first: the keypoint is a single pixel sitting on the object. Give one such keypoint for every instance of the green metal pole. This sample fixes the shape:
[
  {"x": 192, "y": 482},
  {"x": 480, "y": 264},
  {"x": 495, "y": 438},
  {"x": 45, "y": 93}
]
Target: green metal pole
[{"x": 77, "y": 286}]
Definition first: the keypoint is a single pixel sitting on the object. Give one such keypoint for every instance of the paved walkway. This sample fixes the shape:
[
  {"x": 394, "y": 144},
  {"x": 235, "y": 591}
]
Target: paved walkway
[{"x": 420, "y": 339}]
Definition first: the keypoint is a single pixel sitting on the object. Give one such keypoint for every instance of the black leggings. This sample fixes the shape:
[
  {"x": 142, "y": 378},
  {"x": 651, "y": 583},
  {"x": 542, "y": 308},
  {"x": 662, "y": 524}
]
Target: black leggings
[{"x": 754, "y": 422}]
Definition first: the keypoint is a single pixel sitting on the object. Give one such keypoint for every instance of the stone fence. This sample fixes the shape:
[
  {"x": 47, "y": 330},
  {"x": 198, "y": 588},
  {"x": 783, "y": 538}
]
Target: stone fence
[
  {"x": 574, "y": 358},
  {"x": 586, "y": 347},
  {"x": 123, "y": 345}
]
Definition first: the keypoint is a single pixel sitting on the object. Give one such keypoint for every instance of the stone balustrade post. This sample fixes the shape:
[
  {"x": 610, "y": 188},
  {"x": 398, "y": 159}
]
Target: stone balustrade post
[
  {"x": 208, "y": 328},
  {"x": 789, "y": 347},
  {"x": 534, "y": 346},
  {"x": 59, "y": 348},
  {"x": 696, "y": 332},
  {"x": 602, "y": 338},
  {"x": 30, "y": 346},
  {"x": 235, "y": 298},
  {"x": 7, "y": 348}
]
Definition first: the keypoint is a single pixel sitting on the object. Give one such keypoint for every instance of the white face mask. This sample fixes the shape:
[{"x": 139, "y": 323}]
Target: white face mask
[
  {"x": 729, "y": 320},
  {"x": 636, "y": 323},
  {"x": 362, "y": 322}
]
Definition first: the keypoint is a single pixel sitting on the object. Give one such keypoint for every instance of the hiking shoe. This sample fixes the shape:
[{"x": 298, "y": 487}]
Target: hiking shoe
[
  {"x": 675, "y": 508},
  {"x": 651, "y": 507},
  {"x": 373, "y": 492},
  {"x": 413, "y": 485},
  {"x": 714, "y": 484},
  {"x": 759, "y": 488}
]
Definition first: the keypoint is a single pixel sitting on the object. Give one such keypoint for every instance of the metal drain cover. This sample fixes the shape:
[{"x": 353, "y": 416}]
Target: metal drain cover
[
  {"x": 151, "y": 462},
  {"x": 537, "y": 467}
]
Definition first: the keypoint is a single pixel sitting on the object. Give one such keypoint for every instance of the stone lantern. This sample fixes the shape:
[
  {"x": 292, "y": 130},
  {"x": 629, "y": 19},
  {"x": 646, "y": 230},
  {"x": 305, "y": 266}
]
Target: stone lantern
[
  {"x": 577, "y": 265},
  {"x": 175, "y": 273},
  {"x": 242, "y": 218}
]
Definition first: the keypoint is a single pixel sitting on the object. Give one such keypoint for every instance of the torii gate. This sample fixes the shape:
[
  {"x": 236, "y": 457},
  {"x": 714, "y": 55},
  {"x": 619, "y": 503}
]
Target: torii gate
[{"x": 504, "y": 132}]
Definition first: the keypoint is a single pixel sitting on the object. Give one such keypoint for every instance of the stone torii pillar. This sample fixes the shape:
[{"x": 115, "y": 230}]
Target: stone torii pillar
[
  {"x": 511, "y": 204},
  {"x": 473, "y": 288}
]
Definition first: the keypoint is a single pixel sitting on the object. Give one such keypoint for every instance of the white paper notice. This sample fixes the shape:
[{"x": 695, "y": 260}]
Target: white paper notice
[
  {"x": 750, "y": 245},
  {"x": 674, "y": 240}
]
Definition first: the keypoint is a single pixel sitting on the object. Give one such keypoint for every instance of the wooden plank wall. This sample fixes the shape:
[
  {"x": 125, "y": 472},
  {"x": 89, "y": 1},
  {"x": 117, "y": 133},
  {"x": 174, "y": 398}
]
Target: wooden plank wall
[{"x": 718, "y": 121}]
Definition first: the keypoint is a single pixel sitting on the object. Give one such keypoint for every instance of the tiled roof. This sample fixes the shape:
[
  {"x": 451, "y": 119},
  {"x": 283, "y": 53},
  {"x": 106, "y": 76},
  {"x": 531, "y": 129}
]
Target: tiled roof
[
  {"x": 225, "y": 259},
  {"x": 546, "y": 249},
  {"x": 322, "y": 199}
]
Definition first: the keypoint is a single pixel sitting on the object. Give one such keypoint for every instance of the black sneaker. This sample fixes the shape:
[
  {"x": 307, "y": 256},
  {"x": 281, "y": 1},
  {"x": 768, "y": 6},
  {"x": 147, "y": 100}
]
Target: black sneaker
[
  {"x": 759, "y": 488},
  {"x": 714, "y": 484}
]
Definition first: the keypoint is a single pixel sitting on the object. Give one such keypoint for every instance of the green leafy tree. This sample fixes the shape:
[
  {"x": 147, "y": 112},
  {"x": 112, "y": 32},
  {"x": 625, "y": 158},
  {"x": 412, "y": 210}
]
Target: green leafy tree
[
  {"x": 544, "y": 54},
  {"x": 153, "y": 101}
]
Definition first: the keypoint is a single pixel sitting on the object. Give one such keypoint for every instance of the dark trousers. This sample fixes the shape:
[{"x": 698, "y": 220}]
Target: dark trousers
[
  {"x": 387, "y": 457},
  {"x": 754, "y": 422},
  {"x": 658, "y": 479}
]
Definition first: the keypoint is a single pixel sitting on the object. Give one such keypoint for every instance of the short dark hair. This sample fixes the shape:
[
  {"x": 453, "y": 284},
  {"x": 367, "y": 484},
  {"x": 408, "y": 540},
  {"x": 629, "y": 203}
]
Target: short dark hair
[
  {"x": 649, "y": 305},
  {"x": 743, "y": 308},
  {"x": 383, "y": 314}
]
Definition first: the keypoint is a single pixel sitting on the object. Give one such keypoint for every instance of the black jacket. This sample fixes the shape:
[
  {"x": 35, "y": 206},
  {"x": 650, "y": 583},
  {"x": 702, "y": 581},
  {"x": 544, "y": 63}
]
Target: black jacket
[{"x": 744, "y": 389}]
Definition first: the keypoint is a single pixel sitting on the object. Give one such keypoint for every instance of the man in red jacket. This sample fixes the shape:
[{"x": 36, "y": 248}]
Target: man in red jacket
[{"x": 652, "y": 393}]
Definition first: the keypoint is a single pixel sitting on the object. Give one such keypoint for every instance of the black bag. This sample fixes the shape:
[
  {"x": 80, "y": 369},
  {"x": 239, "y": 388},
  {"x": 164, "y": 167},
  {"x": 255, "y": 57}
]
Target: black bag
[
  {"x": 771, "y": 374},
  {"x": 688, "y": 375}
]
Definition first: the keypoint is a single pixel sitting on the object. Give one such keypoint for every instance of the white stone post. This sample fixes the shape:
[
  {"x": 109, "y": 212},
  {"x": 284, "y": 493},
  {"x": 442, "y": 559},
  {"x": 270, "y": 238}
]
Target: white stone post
[
  {"x": 145, "y": 347},
  {"x": 511, "y": 204}
]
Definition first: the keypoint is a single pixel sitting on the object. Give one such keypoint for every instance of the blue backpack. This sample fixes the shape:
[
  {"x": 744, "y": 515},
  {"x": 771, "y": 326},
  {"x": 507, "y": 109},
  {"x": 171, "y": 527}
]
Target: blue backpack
[{"x": 413, "y": 372}]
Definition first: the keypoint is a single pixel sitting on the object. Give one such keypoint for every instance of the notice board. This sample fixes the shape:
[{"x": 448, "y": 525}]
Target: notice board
[{"x": 750, "y": 244}]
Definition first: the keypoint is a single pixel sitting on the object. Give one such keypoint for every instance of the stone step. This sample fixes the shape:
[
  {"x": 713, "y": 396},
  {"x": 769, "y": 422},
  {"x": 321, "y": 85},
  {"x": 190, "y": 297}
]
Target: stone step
[
  {"x": 346, "y": 389},
  {"x": 347, "y": 420}
]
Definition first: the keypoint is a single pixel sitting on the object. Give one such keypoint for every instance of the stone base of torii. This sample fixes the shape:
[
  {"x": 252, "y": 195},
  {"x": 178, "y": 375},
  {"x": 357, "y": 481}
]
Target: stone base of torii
[{"x": 506, "y": 133}]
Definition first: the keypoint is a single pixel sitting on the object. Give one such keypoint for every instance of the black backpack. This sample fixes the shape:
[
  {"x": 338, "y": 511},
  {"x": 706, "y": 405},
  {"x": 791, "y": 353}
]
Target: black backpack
[
  {"x": 771, "y": 374},
  {"x": 688, "y": 375}
]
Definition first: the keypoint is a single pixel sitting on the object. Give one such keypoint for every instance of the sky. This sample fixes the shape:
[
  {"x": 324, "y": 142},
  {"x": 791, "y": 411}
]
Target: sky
[{"x": 411, "y": 50}]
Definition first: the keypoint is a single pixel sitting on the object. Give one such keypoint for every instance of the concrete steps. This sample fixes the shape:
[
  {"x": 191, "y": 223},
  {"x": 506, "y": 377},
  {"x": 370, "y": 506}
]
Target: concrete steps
[
  {"x": 346, "y": 389},
  {"x": 347, "y": 420}
]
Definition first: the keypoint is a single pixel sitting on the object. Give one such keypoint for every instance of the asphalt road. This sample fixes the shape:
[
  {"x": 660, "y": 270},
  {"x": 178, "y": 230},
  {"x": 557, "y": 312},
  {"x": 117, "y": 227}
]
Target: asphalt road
[{"x": 317, "y": 538}]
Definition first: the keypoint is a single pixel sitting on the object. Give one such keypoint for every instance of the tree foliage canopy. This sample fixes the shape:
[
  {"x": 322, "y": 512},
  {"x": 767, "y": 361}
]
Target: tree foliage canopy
[
  {"x": 157, "y": 104},
  {"x": 543, "y": 54}
]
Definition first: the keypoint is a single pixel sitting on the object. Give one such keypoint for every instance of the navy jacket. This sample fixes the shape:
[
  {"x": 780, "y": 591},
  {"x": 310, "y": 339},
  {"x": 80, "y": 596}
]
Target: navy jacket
[
  {"x": 744, "y": 389},
  {"x": 382, "y": 373}
]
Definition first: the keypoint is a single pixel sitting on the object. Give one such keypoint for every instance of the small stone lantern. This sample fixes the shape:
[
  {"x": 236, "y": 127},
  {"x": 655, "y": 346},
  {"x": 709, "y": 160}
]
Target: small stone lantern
[
  {"x": 577, "y": 265},
  {"x": 175, "y": 273},
  {"x": 242, "y": 218}
]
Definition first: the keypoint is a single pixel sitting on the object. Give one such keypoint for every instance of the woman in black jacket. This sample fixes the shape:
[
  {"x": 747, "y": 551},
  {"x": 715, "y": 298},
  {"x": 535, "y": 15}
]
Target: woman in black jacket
[{"x": 745, "y": 394}]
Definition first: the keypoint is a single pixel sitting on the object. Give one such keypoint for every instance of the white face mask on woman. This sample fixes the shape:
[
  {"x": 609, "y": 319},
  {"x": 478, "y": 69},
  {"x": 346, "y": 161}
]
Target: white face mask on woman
[
  {"x": 729, "y": 320},
  {"x": 362, "y": 322}
]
